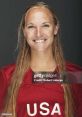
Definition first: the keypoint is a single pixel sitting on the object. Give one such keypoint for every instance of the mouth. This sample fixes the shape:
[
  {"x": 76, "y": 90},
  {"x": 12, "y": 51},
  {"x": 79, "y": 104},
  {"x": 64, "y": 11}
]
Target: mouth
[{"x": 39, "y": 40}]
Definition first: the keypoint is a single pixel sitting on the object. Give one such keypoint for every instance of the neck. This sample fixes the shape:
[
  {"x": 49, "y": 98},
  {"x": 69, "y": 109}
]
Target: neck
[{"x": 42, "y": 61}]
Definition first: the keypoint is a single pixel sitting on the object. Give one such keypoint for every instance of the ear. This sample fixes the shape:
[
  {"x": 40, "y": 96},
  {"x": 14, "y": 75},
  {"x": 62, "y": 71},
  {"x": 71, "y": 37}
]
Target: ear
[{"x": 56, "y": 28}]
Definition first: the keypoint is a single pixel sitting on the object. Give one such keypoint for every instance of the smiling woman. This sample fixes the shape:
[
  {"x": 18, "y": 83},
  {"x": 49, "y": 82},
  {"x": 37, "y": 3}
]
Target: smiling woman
[
  {"x": 39, "y": 33},
  {"x": 39, "y": 29},
  {"x": 39, "y": 51}
]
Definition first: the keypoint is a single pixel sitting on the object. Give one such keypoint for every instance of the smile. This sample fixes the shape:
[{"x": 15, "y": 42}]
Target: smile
[{"x": 40, "y": 40}]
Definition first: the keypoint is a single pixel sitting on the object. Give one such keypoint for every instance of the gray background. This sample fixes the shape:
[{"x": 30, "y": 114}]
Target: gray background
[{"x": 69, "y": 14}]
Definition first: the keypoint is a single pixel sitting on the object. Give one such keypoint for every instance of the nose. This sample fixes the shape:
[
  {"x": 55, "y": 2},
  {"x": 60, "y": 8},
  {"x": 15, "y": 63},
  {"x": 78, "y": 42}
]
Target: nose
[{"x": 38, "y": 32}]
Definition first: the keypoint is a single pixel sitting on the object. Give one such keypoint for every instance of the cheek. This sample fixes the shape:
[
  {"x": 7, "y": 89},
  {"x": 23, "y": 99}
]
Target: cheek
[
  {"x": 28, "y": 35},
  {"x": 50, "y": 33},
  {"x": 29, "y": 41}
]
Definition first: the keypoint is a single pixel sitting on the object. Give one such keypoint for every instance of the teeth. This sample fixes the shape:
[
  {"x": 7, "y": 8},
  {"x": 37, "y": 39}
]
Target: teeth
[{"x": 39, "y": 41}]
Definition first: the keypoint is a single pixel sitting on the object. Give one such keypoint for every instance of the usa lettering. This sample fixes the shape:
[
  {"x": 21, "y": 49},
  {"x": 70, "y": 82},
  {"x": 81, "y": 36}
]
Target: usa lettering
[{"x": 43, "y": 106}]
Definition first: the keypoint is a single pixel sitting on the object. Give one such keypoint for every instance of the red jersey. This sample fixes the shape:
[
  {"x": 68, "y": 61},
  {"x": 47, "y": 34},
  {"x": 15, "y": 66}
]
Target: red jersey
[{"x": 40, "y": 99}]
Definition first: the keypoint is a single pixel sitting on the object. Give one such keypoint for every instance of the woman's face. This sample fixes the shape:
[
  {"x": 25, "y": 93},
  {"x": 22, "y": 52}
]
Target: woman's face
[{"x": 39, "y": 29}]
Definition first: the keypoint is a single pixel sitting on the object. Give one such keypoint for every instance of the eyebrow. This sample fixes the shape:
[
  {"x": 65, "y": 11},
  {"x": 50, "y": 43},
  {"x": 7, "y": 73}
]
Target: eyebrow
[
  {"x": 33, "y": 23},
  {"x": 46, "y": 23}
]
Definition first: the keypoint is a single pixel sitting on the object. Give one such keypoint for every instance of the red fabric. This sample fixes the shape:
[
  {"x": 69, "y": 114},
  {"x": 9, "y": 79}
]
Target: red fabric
[{"x": 30, "y": 93}]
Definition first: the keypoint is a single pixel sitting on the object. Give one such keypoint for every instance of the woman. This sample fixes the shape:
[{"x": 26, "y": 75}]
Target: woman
[{"x": 39, "y": 50}]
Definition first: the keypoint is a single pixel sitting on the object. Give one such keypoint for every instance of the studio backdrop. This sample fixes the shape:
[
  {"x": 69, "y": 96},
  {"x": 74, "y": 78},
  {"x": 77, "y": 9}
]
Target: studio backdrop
[{"x": 69, "y": 15}]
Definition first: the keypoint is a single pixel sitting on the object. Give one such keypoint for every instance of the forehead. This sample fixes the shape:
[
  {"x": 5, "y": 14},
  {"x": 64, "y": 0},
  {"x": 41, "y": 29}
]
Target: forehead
[{"x": 38, "y": 12}]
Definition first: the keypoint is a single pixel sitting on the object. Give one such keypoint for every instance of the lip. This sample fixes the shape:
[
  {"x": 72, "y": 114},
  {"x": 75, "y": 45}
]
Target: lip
[{"x": 39, "y": 40}]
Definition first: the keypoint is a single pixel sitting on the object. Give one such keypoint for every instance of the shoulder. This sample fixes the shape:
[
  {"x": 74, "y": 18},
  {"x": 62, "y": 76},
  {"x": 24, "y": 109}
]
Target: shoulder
[
  {"x": 73, "y": 67},
  {"x": 9, "y": 67},
  {"x": 5, "y": 75},
  {"x": 6, "y": 72},
  {"x": 76, "y": 87},
  {"x": 74, "y": 73}
]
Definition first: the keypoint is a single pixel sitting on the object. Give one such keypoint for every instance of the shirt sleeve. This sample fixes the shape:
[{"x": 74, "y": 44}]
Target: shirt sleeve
[
  {"x": 77, "y": 96},
  {"x": 3, "y": 88},
  {"x": 5, "y": 78},
  {"x": 76, "y": 88}
]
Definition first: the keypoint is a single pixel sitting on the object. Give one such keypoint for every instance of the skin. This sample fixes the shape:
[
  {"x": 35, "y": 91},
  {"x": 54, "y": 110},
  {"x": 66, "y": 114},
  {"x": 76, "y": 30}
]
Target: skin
[{"x": 39, "y": 32}]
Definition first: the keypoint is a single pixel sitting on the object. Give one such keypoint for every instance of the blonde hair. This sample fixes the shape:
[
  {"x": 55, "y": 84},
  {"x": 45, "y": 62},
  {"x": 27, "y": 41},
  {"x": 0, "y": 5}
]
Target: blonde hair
[{"x": 23, "y": 64}]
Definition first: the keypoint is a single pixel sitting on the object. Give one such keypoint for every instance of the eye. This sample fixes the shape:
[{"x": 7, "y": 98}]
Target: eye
[
  {"x": 30, "y": 26},
  {"x": 46, "y": 25}
]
